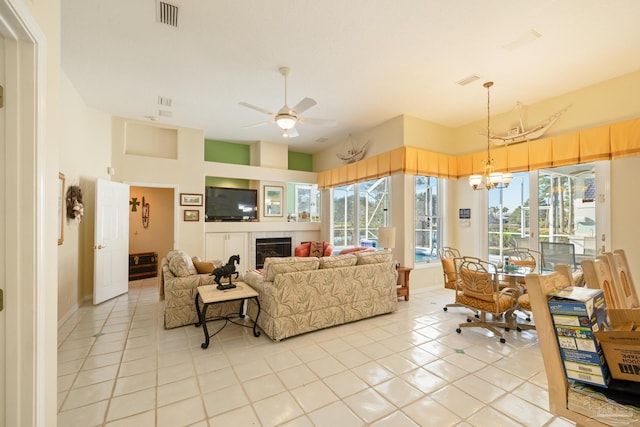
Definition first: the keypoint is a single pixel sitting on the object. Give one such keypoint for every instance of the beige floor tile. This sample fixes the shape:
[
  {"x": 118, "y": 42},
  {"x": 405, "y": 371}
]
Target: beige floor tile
[
  {"x": 336, "y": 414},
  {"x": 183, "y": 413},
  {"x": 90, "y": 415},
  {"x": 398, "y": 391},
  {"x": 118, "y": 366},
  {"x": 369, "y": 405},
  {"x": 313, "y": 396},
  {"x": 428, "y": 412},
  {"x": 262, "y": 387},
  {"x": 277, "y": 409},
  {"x": 131, "y": 404},
  {"x": 133, "y": 383}
]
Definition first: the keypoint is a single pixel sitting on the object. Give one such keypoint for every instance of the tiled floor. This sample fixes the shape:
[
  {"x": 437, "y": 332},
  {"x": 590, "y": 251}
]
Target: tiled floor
[{"x": 117, "y": 366}]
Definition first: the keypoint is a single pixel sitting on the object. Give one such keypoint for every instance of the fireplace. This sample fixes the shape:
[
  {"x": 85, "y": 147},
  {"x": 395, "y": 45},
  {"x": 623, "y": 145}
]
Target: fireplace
[{"x": 272, "y": 247}]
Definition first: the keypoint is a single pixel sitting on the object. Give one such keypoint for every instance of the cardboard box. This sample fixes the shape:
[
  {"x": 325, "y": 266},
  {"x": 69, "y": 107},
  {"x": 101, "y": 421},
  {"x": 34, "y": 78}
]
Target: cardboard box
[
  {"x": 621, "y": 344},
  {"x": 578, "y": 313}
]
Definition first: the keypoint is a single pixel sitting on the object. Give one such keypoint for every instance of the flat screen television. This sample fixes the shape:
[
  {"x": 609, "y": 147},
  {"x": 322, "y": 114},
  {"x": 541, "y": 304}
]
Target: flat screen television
[{"x": 231, "y": 204}]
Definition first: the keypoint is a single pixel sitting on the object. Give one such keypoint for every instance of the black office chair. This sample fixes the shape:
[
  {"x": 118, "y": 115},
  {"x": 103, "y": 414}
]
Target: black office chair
[{"x": 554, "y": 253}]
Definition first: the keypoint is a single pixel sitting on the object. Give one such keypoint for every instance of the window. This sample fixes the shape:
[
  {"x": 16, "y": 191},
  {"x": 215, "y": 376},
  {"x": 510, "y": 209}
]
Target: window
[
  {"x": 356, "y": 224},
  {"x": 508, "y": 217},
  {"x": 306, "y": 202},
  {"x": 427, "y": 220}
]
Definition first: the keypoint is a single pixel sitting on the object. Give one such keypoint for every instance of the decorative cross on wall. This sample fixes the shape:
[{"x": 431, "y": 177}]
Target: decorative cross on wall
[{"x": 134, "y": 204}]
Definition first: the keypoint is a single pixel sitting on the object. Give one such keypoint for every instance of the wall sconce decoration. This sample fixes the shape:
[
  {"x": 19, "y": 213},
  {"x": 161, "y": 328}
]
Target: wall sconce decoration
[
  {"x": 134, "y": 204},
  {"x": 75, "y": 208},
  {"x": 145, "y": 213}
]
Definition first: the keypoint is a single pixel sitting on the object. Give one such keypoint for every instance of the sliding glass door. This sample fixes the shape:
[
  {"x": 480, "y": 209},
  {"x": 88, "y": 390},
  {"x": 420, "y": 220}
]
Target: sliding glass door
[
  {"x": 567, "y": 209},
  {"x": 508, "y": 217}
]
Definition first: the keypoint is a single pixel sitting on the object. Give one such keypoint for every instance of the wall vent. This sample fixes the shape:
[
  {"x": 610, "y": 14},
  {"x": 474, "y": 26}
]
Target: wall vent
[
  {"x": 167, "y": 13},
  {"x": 164, "y": 101},
  {"x": 470, "y": 79}
]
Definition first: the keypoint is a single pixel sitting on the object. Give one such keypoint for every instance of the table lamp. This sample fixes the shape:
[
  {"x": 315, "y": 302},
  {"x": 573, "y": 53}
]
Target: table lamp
[{"x": 387, "y": 237}]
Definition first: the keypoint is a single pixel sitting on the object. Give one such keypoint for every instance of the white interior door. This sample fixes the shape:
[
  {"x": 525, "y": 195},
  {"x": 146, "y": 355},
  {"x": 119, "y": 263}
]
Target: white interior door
[{"x": 111, "y": 242}]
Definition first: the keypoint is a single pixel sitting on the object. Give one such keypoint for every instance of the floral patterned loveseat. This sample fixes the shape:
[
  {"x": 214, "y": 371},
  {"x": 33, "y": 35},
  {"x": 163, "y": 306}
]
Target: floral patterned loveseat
[
  {"x": 180, "y": 281},
  {"x": 303, "y": 294}
]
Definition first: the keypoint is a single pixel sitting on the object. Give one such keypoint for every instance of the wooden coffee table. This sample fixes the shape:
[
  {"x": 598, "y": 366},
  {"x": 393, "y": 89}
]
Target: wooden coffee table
[{"x": 210, "y": 294}]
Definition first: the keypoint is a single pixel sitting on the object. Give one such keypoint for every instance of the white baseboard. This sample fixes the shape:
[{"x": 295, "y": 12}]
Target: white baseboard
[{"x": 67, "y": 315}]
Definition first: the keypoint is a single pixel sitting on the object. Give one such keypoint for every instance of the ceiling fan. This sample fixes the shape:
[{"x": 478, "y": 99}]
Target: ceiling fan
[{"x": 286, "y": 118}]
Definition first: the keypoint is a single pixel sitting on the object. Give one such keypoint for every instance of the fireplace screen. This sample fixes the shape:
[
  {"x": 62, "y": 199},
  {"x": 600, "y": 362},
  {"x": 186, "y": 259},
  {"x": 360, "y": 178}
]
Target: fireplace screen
[{"x": 272, "y": 247}]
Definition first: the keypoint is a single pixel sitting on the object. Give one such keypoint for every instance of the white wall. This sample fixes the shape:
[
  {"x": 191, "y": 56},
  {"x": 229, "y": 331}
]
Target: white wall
[
  {"x": 187, "y": 172},
  {"x": 85, "y": 154},
  {"x": 382, "y": 138},
  {"x": 625, "y": 205}
]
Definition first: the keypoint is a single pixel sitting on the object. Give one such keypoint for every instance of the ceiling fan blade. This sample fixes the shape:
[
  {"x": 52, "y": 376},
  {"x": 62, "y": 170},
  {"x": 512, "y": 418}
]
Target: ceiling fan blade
[
  {"x": 291, "y": 133},
  {"x": 321, "y": 122},
  {"x": 303, "y": 105},
  {"x": 268, "y": 122},
  {"x": 253, "y": 107}
]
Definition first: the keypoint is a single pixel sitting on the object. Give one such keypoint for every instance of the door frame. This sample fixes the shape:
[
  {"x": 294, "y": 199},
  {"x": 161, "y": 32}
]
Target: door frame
[
  {"x": 30, "y": 305},
  {"x": 176, "y": 203}
]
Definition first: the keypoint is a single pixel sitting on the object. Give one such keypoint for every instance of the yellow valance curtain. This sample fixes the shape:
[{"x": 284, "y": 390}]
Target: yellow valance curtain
[
  {"x": 625, "y": 139},
  {"x": 601, "y": 143},
  {"x": 565, "y": 149}
]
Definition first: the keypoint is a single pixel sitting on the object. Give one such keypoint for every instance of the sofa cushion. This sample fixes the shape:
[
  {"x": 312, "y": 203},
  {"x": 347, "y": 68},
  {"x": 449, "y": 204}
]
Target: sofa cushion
[
  {"x": 357, "y": 249},
  {"x": 273, "y": 266},
  {"x": 373, "y": 257},
  {"x": 205, "y": 267},
  {"x": 348, "y": 260},
  {"x": 316, "y": 249},
  {"x": 181, "y": 264},
  {"x": 304, "y": 249}
]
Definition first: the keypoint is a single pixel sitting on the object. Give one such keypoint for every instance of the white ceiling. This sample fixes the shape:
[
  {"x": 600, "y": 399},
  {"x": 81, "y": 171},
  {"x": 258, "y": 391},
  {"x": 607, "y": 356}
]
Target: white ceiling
[{"x": 363, "y": 61}]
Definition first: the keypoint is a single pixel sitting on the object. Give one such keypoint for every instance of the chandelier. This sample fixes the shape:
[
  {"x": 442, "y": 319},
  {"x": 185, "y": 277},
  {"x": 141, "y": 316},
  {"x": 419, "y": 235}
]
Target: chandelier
[{"x": 490, "y": 178}]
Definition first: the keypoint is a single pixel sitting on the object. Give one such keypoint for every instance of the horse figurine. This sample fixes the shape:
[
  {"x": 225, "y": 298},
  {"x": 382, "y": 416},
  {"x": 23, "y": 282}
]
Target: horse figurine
[{"x": 225, "y": 271}]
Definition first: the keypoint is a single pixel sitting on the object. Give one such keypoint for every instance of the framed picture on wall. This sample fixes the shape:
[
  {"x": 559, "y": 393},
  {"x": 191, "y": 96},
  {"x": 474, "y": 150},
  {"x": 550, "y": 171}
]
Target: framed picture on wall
[
  {"x": 191, "y": 215},
  {"x": 187, "y": 199},
  {"x": 272, "y": 201}
]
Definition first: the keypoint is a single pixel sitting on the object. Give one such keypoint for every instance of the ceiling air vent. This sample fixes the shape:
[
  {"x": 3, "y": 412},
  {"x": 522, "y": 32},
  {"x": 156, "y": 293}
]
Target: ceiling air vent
[
  {"x": 470, "y": 79},
  {"x": 164, "y": 101},
  {"x": 167, "y": 13}
]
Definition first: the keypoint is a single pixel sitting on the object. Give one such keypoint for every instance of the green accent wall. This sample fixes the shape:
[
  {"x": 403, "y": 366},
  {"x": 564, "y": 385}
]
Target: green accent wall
[
  {"x": 214, "y": 181},
  {"x": 300, "y": 161},
  {"x": 226, "y": 152},
  {"x": 240, "y": 154}
]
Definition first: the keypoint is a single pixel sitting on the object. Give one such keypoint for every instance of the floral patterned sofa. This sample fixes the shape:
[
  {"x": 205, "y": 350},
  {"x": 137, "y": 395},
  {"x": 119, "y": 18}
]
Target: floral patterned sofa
[
  {"x": 303, "y": 294},
  {"x": 180, "y": 281}
]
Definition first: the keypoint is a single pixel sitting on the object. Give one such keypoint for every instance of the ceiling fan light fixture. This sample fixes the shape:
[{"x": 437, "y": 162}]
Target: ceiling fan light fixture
[{"x": 286, "y": 121}]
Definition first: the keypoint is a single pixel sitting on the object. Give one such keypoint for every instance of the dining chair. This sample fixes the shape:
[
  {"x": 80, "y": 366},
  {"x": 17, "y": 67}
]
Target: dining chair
[
  {"x": 557, "y": 253},
  {"x": 624, "y": 285},
  {"x": 540, "y": 286},
  {"x": 610, "y": 272},
  {"x": 597, "y": 274},
  {"x": 479, "y": 289},
  {"x": 448, "y": 258},
  {"x": 528, "y": 261}
]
